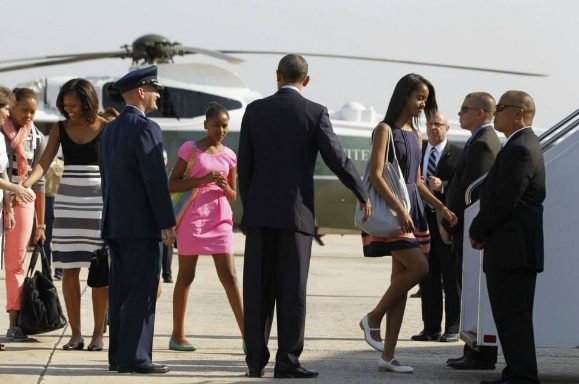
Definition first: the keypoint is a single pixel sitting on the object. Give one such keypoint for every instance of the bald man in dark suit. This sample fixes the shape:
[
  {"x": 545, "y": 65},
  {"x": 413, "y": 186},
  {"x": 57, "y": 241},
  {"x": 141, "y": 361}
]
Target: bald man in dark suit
[
  {"x": 280, "y": 138},
  {"x": 509, "y": 227}
]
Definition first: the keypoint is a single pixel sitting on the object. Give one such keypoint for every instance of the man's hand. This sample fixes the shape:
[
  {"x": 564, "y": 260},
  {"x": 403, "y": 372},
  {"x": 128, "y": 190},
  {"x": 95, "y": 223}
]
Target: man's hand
[
  {"x": 435, "y": 183},
  {"x": 367, "y": 208},
  {"x": 169, "y": 236},
  {"x": 476, "y": 245}
]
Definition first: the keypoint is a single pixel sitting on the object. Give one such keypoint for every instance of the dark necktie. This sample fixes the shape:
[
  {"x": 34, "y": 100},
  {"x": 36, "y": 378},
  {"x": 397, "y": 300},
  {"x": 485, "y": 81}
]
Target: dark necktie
[{"x": 431, "y": 167}]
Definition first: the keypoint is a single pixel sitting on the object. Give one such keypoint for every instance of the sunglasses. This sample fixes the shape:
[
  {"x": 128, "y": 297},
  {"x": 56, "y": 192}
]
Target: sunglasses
[
  {"x": 501, "y": 107},
  {"x": 464, "y": 109}
]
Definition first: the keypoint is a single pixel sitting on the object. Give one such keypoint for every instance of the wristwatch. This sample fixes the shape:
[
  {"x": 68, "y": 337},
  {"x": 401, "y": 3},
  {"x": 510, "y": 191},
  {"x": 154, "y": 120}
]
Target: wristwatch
[{"x": 41, "y": 226}]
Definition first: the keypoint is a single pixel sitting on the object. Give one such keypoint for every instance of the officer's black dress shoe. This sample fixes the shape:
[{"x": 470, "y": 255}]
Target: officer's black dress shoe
[
  {"x": 495, "y": 382},
  {"x": 254, "y": 373},
  {"x": 143, "y": 368},
  {"x": 424, "y": 336},
  {"x": 448, "y": 337},
  {"x": 297, "y": 373},
  {"x": 470, "y": 363}
]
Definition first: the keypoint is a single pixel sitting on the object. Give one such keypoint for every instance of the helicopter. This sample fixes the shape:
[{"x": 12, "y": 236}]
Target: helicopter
[{"x": 190, "y": 87}]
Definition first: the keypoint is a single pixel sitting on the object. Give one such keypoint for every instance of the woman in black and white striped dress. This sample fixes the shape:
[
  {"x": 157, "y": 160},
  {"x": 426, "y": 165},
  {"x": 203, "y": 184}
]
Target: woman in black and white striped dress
[{"x": 78, "y": 203}]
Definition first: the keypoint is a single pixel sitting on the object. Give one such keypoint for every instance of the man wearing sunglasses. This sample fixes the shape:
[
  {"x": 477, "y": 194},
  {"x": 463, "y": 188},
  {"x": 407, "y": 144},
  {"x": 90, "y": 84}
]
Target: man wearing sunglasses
[
  {"x": 509, "y": 227},
  {"x": 476, "y": 114}
]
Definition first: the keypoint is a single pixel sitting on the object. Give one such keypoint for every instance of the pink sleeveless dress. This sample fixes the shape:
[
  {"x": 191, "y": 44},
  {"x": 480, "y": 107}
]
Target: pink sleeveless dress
[{"x": 207, "y": 226}]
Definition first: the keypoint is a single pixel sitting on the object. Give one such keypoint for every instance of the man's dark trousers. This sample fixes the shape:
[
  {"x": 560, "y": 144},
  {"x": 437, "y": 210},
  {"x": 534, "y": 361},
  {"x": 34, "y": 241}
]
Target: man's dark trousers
[
  {"x": 132, "y": 301},
  {"x": 276, "y": 269},
  {"x": 440, "y": 265}
]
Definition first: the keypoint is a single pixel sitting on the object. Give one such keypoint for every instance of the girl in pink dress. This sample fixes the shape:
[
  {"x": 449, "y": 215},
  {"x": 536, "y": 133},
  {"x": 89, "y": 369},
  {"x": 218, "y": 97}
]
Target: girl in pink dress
[{"x": 207, "y": 226}]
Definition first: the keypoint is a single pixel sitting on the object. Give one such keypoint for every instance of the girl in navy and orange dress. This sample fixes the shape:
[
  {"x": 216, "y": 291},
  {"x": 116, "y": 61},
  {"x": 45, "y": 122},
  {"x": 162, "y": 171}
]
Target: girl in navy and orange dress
[
  {"x": 412, "y": 95},
  {"x": 207, "y": 226},
  {"x": 25, "y": 145},
  {"x": 78, "y": 202}
]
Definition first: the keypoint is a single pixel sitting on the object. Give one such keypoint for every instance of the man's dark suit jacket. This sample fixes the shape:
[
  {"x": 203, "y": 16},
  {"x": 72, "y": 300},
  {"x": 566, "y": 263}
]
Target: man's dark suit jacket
[
  {"x": 445, "y": 166},
  {"x": 511, "y": 207},
  {"x": 136, "y": 202},
  {"x": 279, "y": 142},
  {"x": 477, "y": 158},
  {"x": 441, "y": 277}
]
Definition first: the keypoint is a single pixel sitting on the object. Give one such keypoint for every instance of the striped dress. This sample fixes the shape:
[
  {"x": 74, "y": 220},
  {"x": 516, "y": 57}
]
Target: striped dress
[{"x": 78, "y": 205}]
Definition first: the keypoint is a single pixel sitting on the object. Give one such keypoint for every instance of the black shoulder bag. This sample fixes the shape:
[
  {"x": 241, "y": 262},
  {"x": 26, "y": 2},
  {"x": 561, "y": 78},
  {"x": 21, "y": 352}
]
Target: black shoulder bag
[{"x": 40, "y": 309}]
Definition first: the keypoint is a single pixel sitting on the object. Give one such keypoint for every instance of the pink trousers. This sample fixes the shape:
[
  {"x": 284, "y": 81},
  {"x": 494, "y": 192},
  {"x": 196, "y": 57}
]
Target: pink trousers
[{"x": 16, "y": 244}]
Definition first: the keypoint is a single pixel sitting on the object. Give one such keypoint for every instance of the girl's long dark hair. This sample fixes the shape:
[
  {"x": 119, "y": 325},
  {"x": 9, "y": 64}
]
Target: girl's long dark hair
[{"x": 402, "y": 91}]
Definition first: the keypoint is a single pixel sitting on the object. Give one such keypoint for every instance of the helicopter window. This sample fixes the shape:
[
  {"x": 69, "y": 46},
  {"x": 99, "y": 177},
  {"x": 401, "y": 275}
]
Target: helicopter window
[{"x": 174, "y": 102}]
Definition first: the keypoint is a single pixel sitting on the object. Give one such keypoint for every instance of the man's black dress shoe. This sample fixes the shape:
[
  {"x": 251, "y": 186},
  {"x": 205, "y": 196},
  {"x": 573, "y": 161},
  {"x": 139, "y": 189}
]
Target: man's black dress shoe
[
  {"x": 424, "y": 336},
  {"x": 494, "y": 382},
  {"x": 470, "y": 363},
  {"x": 297, "y": 373},
  {"x": 113, "y": 367},
  {"x": 254, "y": 373},
  {"x": 448, "y": 337},
  {"x": 455, "y": 359},
  {"x": 143, "y": 368},
  {"x": 416, "y": 294}
]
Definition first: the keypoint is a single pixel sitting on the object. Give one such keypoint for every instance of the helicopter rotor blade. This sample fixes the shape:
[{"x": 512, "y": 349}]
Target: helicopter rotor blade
[
  {"x": 181, "y": 50},
  {"x": 90, "y": 56},
  {"x": 63, "y": 59},
  {"x": 389, "y": 61}
]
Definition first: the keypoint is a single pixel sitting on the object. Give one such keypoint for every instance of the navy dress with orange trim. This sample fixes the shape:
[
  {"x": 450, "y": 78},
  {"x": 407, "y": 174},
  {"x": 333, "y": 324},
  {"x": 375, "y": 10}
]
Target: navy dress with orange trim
[{"x": 409, "y": 158}]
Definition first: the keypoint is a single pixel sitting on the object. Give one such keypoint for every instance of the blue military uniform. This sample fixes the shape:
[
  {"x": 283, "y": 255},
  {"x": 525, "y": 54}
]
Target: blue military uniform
[{"x": 136, "y": 208}]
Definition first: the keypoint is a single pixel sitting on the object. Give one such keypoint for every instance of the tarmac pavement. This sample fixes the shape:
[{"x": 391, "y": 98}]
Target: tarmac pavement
[{"x": 343, "y": 286}]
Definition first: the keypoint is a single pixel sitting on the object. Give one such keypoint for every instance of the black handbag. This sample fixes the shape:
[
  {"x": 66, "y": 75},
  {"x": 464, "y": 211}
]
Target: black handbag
[
  {"x": 40, "y": 309},
  {"x": 98, "y": 272}
]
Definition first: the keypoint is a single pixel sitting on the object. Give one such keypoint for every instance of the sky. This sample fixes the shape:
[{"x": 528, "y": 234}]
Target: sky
[{"x": 531, "y": 35}]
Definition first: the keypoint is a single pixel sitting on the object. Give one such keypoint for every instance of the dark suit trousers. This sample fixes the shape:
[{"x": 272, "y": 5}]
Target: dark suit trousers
[
  {"x": 49, "y": 221},
  {"x": 167, "y": 260},
  {"x": 511, "y": 294},
  {"x": 457, "y": 258},
  {"x": 441, "y": 276},
  {"x": 133, "y": 282},
  {"x": 275, "y": 274}
]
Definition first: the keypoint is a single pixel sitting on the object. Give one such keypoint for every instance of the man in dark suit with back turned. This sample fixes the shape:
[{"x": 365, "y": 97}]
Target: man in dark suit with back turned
[
  {"x": 477, "y": 157},
  {"x": 137, "y": 214},
  {"x": 509, "y": 227},
  {"x": 280, "y": 138},
  {"x": 439, "y": 158}
]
